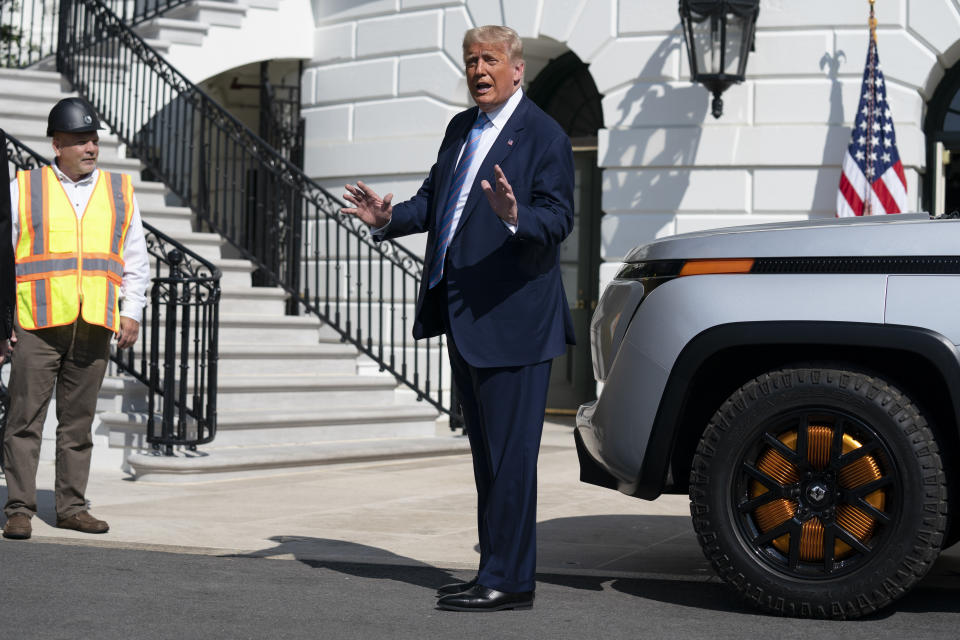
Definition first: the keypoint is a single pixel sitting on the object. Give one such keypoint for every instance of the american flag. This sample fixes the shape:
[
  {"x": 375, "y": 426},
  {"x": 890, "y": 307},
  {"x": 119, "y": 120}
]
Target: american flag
[{"x": 873, "y": 181}]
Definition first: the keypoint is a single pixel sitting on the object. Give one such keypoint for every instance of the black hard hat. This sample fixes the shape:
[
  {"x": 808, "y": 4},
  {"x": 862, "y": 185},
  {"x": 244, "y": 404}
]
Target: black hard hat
[{"x": 72, "y": 115}]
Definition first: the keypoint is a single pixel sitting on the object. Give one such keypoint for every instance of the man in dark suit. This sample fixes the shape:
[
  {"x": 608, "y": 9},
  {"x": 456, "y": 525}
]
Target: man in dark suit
[{"x": 496, "y": 205}]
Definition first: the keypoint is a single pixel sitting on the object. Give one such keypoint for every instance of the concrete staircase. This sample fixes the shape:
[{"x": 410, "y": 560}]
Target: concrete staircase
[
  {"x": 205, "y": 37},
  {"x": 290, "y": 394}
]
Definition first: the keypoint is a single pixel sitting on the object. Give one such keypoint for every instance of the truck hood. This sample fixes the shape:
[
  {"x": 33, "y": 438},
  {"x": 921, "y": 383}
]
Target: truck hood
[{"x": 913, "y": 234}]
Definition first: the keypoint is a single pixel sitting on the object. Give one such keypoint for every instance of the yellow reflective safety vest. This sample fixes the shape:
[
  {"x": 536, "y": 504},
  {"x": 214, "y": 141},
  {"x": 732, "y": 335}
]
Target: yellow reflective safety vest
[{"x": 66, "y": 266}]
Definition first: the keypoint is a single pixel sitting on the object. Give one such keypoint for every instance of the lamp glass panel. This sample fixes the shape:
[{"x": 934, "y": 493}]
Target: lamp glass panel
[
  {"x": 734, "y": 44},
  {"x": 706, "y": 45}
]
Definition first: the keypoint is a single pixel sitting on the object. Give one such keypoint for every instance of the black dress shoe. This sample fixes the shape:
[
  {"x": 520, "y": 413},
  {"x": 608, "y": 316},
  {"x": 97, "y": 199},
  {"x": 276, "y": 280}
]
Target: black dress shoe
[
  {"x": 480, "y": 598},
  {"x": 456, "y": 587}
]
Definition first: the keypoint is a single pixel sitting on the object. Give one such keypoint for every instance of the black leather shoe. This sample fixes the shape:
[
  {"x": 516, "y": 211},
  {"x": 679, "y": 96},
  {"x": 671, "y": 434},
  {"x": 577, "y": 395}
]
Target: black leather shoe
[
  {"x": 456, "y": 587},
  {"x": 480, "y": 598}
]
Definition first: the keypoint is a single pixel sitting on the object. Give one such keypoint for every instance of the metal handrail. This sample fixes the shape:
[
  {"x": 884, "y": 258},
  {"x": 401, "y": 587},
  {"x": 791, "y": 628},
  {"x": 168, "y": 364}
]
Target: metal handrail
[
  {"x": 178, "y": 368},
  {"x": 29, "y": 29},
  {"x": 259, "y": 201}
]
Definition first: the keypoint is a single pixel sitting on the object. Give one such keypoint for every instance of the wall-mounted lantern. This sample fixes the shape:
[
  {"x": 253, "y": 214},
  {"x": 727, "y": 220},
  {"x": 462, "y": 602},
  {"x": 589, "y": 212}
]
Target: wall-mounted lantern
[{"x": 719, "y": 36}]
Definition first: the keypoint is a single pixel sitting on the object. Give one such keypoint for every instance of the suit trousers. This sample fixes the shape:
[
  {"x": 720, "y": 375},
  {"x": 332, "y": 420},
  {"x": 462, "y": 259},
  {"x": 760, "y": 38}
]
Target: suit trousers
[
  {"x": 74, "y": 358},
  {"x": 503, "y": 408}
]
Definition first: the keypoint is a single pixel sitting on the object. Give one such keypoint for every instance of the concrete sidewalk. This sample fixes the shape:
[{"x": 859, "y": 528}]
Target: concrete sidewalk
[
  {"x": 414, "y": 512},
  {"x": 411, "y": 511}
]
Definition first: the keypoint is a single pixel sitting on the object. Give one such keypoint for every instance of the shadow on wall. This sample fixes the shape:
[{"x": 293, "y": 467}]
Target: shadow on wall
[
  {"x": 823, "y": 199},
  {"x": 655, "y": 141}
]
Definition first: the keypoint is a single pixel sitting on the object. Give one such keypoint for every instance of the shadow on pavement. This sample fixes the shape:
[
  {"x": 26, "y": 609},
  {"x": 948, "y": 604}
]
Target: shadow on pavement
[
  {"x": 355, "y": 559},
  {"x": 617, "y": 543},
  {"x": 46, "y": 507}
]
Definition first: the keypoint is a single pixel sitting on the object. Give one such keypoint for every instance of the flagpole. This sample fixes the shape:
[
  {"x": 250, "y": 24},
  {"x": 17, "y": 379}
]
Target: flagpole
[
  {"x": 867, "y": 200},
  {"x": 872, "y": 180}
]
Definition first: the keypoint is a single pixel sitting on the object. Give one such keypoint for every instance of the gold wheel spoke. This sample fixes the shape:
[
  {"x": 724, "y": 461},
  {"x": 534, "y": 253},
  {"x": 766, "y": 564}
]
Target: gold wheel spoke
[
  {"x": 858, "y": 453},
  {"x": 766, "y": 480},
  {"x": 871, "y": 510},
  {"x": 764, "y": 498},
  {"x": 796, "y": 542},
  {"x": 854, "y": 494},
  {"x": 785, "y": 451},
  {"x": 787, "y": 526},
  {"x": 852, "y": 540},
  {"x": 829, "y": 549},
  {"x": 803, "y": 437},
  {"x": 836, "y": 448}
]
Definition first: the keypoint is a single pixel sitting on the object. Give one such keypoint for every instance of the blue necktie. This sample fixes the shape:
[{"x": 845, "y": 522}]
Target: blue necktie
[{"x": 450, "y": 206}]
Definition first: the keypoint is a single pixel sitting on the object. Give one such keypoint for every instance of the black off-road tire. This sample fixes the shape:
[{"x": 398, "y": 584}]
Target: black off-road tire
[{"x": 730, "y": 481}]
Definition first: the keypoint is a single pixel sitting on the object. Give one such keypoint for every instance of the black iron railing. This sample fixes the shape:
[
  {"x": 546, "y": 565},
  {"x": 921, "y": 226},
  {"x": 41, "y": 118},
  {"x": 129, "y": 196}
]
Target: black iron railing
[
  {"x": 176, "y": 355},
  {"x": 29, "y": 29},
  {"x": 244, "y": 189}
]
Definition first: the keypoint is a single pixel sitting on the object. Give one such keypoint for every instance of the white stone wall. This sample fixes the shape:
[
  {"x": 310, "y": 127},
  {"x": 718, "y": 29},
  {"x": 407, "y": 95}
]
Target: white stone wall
[
  {"x": 386, "y": 76},
  {"x": 268, "y": 30}
]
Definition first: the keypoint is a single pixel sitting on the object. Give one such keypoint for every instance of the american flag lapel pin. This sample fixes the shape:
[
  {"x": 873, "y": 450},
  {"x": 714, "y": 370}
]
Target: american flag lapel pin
[{"x": 510, "y": 142}]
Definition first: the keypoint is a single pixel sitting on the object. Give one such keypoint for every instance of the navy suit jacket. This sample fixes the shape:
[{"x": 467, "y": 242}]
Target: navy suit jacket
[{"x": 504, "y": 294}]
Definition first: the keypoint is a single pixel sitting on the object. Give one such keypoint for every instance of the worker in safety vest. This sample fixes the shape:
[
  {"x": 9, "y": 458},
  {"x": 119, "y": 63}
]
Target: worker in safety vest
[{"x": 81, "y": 276}]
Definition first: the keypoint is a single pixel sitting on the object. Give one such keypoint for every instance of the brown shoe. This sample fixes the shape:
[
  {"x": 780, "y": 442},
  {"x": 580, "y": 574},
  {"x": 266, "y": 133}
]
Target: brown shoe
[
  {"x": 17, "y": 527},
  {"x": 84, "y": 522}
]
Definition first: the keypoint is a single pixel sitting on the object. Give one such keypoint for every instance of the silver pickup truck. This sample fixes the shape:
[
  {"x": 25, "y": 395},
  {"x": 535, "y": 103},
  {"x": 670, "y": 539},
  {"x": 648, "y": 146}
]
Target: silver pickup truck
[{"x": 801, "y": 382}]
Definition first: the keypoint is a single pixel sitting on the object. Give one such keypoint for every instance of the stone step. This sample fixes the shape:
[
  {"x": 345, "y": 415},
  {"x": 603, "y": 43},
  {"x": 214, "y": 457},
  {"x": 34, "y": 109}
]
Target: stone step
[
  {"x": 263, "y": 4},
  {"x": 236, "y": 328},
  {"x": 296, "y": 393},
  {"x": 219, "y": 13},
  {"x": 206, "y": 245},
  {"x": 168, "y": 219},
  {"x": 269, "y": 460},
  {"x": 234, "y": 272},
  {"x": 30, "y": 85},
  {"x": 18, "y": 122},
  {"x": 268, "y": 359},
  {"x": 244, "y": 329},
  {"x": 252, "y": 428},
  {"x": 349, "y": 423},
  {"x": 264, "y": 300},
  {"x": 173, "y": 30}
]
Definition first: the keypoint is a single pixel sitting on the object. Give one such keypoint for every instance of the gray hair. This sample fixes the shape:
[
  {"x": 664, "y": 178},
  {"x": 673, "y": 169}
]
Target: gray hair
[{"x": 495, "y": 34}]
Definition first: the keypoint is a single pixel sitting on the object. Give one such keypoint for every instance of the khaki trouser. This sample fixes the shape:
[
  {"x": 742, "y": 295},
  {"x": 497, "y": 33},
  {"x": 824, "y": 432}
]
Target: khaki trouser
[{"x": 74, "y": 357}]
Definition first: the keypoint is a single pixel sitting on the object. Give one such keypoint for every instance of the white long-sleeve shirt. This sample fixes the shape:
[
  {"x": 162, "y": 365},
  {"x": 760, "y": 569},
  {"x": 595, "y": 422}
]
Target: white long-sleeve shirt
[
  {"x": 136, "y": 267},
  {"x": 498, "y": 120}
]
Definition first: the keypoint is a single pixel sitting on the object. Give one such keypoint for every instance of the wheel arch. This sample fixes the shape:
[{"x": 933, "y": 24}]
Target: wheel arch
[{"x": 716, "y": 362}]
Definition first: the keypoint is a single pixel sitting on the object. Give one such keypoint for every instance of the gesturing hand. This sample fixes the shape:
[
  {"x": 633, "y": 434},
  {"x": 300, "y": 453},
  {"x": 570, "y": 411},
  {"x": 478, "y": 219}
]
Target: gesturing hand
[
  {"x": 368, "y": 206},
  {"x": 502, "y": 201}
]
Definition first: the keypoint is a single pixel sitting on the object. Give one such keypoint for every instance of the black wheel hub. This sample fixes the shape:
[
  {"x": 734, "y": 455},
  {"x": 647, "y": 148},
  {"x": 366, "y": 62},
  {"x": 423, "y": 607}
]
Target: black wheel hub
[{"x": 816, "y": 493}]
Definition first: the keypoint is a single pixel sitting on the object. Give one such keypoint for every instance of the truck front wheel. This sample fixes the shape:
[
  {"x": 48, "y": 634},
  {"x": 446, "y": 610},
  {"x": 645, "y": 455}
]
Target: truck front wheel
[{"x": 819, "y": 492}]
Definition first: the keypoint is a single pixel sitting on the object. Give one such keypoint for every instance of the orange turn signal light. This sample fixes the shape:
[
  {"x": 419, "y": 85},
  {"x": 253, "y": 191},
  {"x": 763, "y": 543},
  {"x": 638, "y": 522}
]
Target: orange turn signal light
[{"x": 718, "y": 265}]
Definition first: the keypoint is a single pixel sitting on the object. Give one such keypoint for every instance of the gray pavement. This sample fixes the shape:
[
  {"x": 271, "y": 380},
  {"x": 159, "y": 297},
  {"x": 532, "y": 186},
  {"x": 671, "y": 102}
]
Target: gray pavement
[
  {"x": 401, "y": 511},
  {"x": 411, "y": 521}
]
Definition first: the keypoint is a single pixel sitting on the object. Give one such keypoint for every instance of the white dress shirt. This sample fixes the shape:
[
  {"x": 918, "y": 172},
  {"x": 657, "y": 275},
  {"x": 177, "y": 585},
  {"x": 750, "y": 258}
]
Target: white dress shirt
[
  {"x": 136, "y": 264},
  {"x": 491, "y": 131}
]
